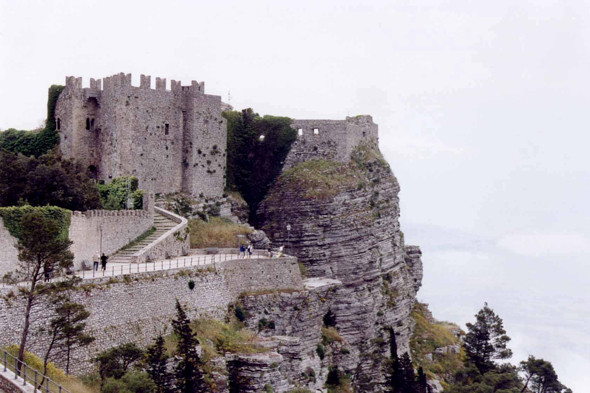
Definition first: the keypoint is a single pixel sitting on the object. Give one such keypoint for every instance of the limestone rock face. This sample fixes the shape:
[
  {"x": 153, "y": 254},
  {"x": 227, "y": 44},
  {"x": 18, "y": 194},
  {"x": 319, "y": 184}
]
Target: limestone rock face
[{"x": 344, "y": 225}]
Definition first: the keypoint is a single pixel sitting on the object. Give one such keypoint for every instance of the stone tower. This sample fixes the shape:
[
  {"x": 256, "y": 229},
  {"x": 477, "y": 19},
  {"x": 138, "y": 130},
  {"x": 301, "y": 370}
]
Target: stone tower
[
  {"x": 171, "y": 140},
  {"x": 329, "y": 139}
]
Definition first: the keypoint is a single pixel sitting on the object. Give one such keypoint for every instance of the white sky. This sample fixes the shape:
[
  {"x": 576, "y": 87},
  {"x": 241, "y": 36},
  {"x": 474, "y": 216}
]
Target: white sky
[{"x": 481, "y": 107}]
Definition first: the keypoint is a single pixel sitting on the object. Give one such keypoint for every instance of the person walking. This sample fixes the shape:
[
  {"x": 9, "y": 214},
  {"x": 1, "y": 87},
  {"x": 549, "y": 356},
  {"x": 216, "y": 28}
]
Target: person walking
[
  {"x": 249, "y": 250},
  {"x": 270, "y": 251},
  {"x": 95, "y": 260},
  {"x": 242, "y": 251},
  {"x": 103, "y": 261}
]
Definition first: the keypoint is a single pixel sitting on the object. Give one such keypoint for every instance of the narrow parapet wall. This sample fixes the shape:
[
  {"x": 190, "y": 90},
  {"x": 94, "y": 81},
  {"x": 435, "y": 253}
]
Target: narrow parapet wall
[
  {"x": 329, "y": 139},
  {"x": 138, "y": 307},
  {"x": 175, "y": 242}
]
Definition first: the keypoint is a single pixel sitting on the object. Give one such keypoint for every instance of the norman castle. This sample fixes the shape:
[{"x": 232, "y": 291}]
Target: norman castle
[
  {"x": 171, "y": 140},
  {"x": 174, "y": 140}
]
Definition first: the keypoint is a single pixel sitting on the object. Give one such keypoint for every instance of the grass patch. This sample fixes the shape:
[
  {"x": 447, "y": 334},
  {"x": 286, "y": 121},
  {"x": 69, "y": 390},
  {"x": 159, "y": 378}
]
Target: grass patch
[
  {"x": 330, "y": 335},
  {"x": 429, "y": 336},
  {"x": 218, "y": 232},
  {"x": 141, "y": 238},
  {"x": 217, "y": 338},
  {"x": 71, "y": 383}
]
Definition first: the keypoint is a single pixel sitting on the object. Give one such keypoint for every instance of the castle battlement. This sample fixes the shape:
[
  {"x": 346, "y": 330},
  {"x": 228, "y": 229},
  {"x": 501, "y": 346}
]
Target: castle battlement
[
  {"x": 330, "y": 139},
  {"x": 161, "y": 136},
  {"x": 122, "y": 81},
  {"x": 112, "y": 213}
]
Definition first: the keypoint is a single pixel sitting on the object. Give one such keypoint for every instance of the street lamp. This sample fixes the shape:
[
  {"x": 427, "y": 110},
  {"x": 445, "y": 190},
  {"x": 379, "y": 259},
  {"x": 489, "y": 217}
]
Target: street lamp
[{"x": 289, "y": 234}]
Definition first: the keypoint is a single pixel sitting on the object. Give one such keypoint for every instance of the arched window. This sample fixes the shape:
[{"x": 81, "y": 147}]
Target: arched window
[
  {"x": 58, "y": 124},
  {"x": 88, "y": 123}
]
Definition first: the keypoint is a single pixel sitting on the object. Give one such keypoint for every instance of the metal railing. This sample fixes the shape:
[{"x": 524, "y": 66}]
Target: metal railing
[
  {"x": 24, "y": 374},
  {"x": 119, "y": 269}
]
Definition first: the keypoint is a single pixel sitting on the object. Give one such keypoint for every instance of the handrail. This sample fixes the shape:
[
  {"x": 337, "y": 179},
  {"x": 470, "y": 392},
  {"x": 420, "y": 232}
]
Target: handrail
[{"x": 30, "y": 375}]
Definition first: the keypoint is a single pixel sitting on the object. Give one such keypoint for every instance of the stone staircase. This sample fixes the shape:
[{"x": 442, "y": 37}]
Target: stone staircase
[{"x": 162, "y": 224}]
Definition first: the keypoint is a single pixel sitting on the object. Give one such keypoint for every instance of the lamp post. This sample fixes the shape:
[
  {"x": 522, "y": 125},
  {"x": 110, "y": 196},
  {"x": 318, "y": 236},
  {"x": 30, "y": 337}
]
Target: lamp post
[
  {"x": 289, "y": 235},
  {"x": 100, "y": 252}
]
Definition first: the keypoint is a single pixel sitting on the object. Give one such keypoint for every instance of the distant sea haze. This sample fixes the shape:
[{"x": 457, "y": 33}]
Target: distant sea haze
[{"x": 541, "y": 298}]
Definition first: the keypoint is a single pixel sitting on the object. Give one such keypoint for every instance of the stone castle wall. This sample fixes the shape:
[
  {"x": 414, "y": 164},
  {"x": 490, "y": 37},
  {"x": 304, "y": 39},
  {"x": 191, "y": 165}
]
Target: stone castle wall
[
  {"x": 172, "y": 140},
  {"x": 111, "y": 228},
  {"x": 329, "y": 139},
  {"x": 138, "y": 307},
  {"x": 8, "y": 250}
]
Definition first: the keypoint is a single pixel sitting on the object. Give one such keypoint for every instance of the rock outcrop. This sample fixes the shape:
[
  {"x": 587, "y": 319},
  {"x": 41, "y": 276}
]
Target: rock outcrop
[{"x": 342, "y": 221}]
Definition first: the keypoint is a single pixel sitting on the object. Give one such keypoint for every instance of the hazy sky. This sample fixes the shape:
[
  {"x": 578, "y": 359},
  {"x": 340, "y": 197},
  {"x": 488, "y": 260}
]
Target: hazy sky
[{"x": 481, "y": 109}]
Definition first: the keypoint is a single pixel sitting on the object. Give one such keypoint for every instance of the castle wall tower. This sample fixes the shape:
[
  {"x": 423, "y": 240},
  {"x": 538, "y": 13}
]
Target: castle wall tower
[
  {"x": 329, "y": 139},
  {"x": 171, "y": 140}
]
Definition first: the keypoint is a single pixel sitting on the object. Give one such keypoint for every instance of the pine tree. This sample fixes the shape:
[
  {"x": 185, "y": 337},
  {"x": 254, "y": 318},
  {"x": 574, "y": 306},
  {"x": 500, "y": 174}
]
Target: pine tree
[
  {"x": 391, "y": 367},
  {"x": 486, "y": 340},
  {"x": 188, "y": 374},
  {"x": 406, "y": 377},
  {"x": 422, "y": 382},
  {"x": 156, "y": 368}
]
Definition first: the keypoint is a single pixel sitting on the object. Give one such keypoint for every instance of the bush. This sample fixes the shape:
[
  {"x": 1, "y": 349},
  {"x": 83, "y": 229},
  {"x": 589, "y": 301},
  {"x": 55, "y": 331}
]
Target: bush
[
  {"x": 131, "y": 382},
  {"x": 321, "y": 351},
  {"x": 12, "y": 217},
  {"x": 114, "y": 195},
  {"x": 330, "y": 335},
  {"x": 240, "y": 314}
]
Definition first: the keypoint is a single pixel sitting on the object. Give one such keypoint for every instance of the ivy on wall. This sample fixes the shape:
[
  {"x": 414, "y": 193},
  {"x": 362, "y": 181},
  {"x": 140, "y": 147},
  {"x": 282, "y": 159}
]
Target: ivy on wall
[
  {"x": 12, "y": 218},
  {"x": 33, "y": 143}
]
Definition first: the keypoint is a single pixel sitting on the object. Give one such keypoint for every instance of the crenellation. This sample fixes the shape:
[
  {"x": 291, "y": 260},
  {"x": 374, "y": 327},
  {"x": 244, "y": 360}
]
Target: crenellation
[
  {"x": 160, "y": 83},
  {"x": 145, "y": 82}
]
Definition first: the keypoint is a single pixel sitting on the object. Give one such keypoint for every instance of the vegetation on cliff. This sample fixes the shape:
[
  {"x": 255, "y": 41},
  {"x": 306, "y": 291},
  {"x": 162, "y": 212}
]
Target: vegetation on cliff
[
  {"x": 116, "y": 194},
  {"x": 256, "y": 149},
  {"x": 217, "y": 232},
  {"x": 38, "y": 142}
]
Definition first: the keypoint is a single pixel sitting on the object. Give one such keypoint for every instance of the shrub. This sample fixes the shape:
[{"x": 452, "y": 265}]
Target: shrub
[
  {"x": 330, "y": 335},
  {"x": 321, "y": 351},
  {"x": 12, "y": 217},
  {"x": 240, "y": 314},
  {"x": 329, "y": 319},
  {"x": 114, "y": 196},
  {"x": 218, "y": 232}
]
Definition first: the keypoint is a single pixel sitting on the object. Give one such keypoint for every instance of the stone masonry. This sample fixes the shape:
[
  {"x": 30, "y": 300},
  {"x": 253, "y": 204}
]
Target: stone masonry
[
  {"x": 171, "y": 140},
  {"x": 138, "y": 307},
  {"x": 329, "y": 139}
]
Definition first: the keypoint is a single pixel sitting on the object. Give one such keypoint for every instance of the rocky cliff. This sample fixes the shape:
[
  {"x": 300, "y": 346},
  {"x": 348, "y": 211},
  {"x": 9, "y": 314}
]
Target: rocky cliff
[{"x": 342, "y": 221}]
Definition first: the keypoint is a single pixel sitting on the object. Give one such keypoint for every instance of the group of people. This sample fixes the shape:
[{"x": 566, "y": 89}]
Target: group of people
[
  {"x": 103, "y": 261},
  {"x": 247, "y": 251}
]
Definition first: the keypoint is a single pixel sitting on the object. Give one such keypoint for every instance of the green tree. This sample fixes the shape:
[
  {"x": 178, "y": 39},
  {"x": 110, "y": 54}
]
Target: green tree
[
  {"x": 42, "y": 248},
  {"x": 47, "y": 180},
  {"x": 115, "y": 362},
  {"x": 67, "y": 328},
  {"x": 486, "y": 340},
  {"x": 540, "y": 375},
  {"x": 156, "y": 366},
  {"x": 502, "y": 379},
  {"x": 189, "y": 378}
]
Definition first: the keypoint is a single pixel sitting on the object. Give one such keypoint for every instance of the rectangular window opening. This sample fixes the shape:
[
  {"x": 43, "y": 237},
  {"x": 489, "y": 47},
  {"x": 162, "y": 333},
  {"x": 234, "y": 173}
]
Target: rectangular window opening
[
  {"x": 167, "y": 129},
  {"x": 316, "y": 131},
  {"x": 300, "y": 131}
]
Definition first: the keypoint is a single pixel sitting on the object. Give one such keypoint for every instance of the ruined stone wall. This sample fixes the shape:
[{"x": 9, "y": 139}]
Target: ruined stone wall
[
  {"x": 138, "y": 307},
  {"x": 329, "y": 139},
  {"x": 119, "y": 228},
  {"x": 172, "y": 140}
]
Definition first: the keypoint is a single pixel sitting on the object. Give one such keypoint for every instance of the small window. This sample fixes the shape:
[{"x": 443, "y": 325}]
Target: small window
[
  {"x": 58, "y": 123},
  {"x": 364, "y": 134},
  {"x": 316, "y": 131},
  {"x": 167, "y": 129},
  {"x": 87, "y": 123},
  {"x": 300, "y": 131}
]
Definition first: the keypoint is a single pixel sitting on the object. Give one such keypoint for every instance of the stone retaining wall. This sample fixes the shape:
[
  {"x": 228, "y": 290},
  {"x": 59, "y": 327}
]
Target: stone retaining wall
[
  {"x": 175, "y": 242},
  {"x": 116, "y": 228},
  {"x": 138, "y": 307}
]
